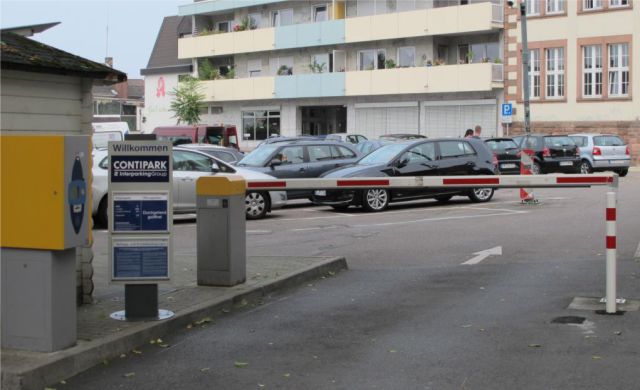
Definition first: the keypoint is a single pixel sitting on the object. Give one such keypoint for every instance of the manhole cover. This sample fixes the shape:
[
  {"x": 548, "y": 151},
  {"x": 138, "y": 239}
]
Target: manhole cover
[{"x": 568, "y": 320}]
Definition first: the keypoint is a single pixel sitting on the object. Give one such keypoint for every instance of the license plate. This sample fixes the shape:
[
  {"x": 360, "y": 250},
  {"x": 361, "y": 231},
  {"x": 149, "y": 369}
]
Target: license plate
[
  {"x": 507, "y": 166},
  {"x": 566, "y": 163},
  {"x": 617, "y": 162},
  {"x": 320, "y": 193}
]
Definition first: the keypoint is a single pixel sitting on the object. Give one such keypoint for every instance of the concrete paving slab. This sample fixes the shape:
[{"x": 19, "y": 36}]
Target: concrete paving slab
[{"x": 101, "y": 338}]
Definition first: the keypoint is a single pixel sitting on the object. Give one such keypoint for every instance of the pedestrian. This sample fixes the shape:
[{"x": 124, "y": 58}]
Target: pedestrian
[
  {"x": 478, "y": 131},
  {"x": 468, "y": 133}
]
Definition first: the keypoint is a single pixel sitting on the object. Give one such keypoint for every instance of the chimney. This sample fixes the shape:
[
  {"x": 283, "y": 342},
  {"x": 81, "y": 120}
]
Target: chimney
[{"x": 109, "y": 61}]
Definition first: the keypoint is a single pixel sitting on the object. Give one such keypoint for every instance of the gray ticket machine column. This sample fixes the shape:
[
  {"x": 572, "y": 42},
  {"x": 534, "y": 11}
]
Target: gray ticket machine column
[{"x": 221, "y": 230}]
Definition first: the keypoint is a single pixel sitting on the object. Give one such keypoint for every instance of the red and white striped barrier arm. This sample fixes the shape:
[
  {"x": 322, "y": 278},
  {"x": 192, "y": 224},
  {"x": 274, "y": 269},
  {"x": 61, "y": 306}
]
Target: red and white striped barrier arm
[{"x": 511, "y": 181}]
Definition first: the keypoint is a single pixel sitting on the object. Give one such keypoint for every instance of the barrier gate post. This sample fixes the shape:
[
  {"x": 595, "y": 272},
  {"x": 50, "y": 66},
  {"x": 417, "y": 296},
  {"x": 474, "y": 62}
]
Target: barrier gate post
[{"x": 611, "y": 253}]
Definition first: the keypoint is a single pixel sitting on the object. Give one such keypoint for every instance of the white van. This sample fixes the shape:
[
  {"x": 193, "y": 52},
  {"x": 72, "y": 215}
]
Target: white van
[{"x": 103, "y": 132}]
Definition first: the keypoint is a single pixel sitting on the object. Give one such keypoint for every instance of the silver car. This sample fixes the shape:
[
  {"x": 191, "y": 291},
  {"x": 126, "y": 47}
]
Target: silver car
[
  {"x": 603, "y": 152},
  {"x": 188, "y": 166}
]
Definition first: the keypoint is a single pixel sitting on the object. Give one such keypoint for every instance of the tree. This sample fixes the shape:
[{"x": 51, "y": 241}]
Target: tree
[{"x": 187, "y": 100}]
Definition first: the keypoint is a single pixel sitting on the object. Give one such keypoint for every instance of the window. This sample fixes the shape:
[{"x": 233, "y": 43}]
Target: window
[
  {"x": 291, "y": 155},
  {"x": 580, "y": 141},
  {"x": 281, "y": 66},
  {"x": 591, "y": 4},
  {"x": 406, "y": 57},
  {"x": 282, "y": 17},
  {"x": 319, "y": 153},
  {"x": 254, "y": 21},
  {"x": 608, "y": 140},
  {"x": 203, "y": 110},
  {"x": 533, "y": 7},
  {"x": 371, "y": 59},
  {"x": 260, "y": 125},
  {"x": 463, "y": 54},
  {"x": 189, "y": 161},
  {"x": 254, "y": 68},
  {"x": 224, "y": 26},
  {"x": 619, "y": 69},
  {"x": 534, "y": 73},
  {"x": 320, "y": 13},
  {"x": 422, "y": 152},
  {"x": 555, "y": 73},
  {"x": 592, "y": 71},
  {"x": 345, "y": 152},
  {"x": 618, "y": 3},
  {"x": 450, "y": 149},
  {"x": 555, "y": 6}
]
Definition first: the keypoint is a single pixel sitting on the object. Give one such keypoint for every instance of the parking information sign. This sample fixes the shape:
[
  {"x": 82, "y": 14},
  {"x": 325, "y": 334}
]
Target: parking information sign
[
  {"x": 507, "y": 110},
  {"x": 140, "y": 211}
]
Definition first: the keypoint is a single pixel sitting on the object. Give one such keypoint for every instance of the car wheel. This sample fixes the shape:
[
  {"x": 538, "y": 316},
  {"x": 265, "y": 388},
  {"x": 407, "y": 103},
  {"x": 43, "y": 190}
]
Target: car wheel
[
  {"x": 375, "y": 199},
  {"x": 257, "y": 205},
  {"x": 623, "y": 172},
  {"x": 535, "y": 169},
  {"x": 443, "y": 198},
  {"x": 585, "y": 167},
  {"x": 102, "y": 217},
  {"x": 340, "y": 207},
  {"x": 481, "y": 195}
]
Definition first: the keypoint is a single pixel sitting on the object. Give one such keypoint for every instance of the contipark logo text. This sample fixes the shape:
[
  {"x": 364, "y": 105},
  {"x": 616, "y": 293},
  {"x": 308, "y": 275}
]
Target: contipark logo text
[{"x": 139, "y": 169}]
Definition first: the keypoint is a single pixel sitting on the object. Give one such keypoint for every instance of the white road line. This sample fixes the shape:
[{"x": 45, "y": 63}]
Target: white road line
[
  {"x": 491, "y": 209},
  {"x": 441, "y": 219},
  {"x": 637, "y": 255},
  {"x": 259, "y": 231}
]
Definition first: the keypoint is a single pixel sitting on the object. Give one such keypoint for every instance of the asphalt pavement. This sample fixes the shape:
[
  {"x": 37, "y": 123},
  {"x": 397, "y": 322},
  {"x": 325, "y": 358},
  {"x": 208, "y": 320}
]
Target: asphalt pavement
[{"x": 409, "y": 314}]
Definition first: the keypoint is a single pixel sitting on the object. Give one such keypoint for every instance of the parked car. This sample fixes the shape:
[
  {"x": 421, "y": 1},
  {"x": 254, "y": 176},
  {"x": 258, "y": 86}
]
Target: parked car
[
  {"x": 188, "y": 166},
  {"x": 507, "y": 152},
  {"x": 603, "y": 152},
  {"x": 299, "y": 159},
  {"x": 347, "y": 137},
  {"x": 228, "y": 155},
  {"x": 438, "y": 157},
  {"x": 552, "y": 153},
  {"x": 369, "y": 146},
  {"x": 223, "y": 135},
  {"x": 401, "y": 137}
]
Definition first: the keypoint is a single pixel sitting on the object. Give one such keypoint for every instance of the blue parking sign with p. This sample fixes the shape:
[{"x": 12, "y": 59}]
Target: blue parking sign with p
[{"x": 506, "y": 109}]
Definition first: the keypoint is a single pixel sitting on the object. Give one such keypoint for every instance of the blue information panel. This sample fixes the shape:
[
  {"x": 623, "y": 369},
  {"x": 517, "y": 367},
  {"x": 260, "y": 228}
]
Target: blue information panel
[
  {"x": 140, "y": 259},
  {"x": 140, "y": 212}
]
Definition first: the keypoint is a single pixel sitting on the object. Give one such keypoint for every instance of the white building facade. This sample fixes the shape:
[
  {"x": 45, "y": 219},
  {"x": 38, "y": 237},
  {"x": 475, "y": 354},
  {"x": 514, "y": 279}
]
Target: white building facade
[{"x": 370, "y": 67}]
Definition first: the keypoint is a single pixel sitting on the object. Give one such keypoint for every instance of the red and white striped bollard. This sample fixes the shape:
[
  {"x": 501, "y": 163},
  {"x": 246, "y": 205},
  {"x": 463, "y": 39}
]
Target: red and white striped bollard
[{"x": 611, "y": 253}]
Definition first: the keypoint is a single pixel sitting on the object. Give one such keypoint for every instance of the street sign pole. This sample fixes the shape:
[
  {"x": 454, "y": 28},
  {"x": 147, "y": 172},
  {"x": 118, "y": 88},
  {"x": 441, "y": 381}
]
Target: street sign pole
[{"x": 525, "y": 68}]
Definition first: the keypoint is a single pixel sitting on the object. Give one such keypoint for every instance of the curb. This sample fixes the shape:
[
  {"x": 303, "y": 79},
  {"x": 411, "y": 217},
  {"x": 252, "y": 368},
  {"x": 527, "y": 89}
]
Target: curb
[{"x": 67, "y": 363}]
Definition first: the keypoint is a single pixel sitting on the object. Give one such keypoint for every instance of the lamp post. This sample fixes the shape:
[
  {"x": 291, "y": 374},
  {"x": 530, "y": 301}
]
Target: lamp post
[{"x": 525, "y": 67}]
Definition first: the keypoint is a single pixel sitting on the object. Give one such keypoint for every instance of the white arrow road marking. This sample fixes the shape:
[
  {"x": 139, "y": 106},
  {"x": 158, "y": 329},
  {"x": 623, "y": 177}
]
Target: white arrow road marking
[{"x": 495, "y": 251}]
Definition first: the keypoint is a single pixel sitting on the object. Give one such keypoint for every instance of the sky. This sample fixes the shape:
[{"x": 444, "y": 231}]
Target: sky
[{"x": 133, "y": 27}]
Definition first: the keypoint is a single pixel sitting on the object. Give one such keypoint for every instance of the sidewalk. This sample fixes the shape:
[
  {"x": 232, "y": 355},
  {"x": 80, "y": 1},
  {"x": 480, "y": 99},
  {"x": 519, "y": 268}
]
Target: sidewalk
[{"x": 102, "y": 338}]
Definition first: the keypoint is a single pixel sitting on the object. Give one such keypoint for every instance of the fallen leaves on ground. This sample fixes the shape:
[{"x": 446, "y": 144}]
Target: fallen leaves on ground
[
  {"x": 205, "y": 320},
  {"x": 205, "y": 369},
  {"x": 239, "y": 364},
  {"x": 617, "y": 333},
  {"x": 122, "y": 356},
  {"x": 535, "y": 346},
  {"x": 137, "y": 352},
  {"x": 287, "y": 375},
  {"x": 129, "y": 374},
  {"x": 596, "y": 357}
]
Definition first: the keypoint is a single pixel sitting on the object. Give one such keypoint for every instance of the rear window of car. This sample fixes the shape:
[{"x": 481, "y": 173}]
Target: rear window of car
[
  {"x": 608, "y": 140},
  {"x": 579, "y": 140},
  {"x": 501, "y": 144},
  {"x": 558, "y": 141}
]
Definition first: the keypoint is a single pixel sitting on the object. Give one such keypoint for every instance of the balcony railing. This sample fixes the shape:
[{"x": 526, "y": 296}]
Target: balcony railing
[
  {"x": 417, "y": 23},
  {"x": 397, "y": 81}
]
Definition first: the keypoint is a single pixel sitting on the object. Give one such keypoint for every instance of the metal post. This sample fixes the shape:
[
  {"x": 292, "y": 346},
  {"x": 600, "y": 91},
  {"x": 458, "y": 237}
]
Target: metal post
[
  {"x": 525, "y": 67},
  {"x": 611, "y": 252}
]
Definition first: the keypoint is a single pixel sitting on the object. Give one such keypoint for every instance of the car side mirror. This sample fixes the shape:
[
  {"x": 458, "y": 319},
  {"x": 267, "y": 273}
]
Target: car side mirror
[
  {"x": 275, "y": 162},
  {"x": 215, "y": 168},
  {"x": 402, "y": 162}
]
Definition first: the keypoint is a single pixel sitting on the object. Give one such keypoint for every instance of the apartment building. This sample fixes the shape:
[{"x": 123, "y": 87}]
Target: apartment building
[
  {"x": 433, "y": 67},
  {"x": 583, "y": 77}
]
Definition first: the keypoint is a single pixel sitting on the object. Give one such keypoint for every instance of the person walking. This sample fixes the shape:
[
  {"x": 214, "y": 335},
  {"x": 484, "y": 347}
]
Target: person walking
[{"x": 468, "y": 133}]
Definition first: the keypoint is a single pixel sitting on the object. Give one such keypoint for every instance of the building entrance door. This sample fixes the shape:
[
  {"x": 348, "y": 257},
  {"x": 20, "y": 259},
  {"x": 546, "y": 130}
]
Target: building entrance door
[{"x": 323, "y": 120}]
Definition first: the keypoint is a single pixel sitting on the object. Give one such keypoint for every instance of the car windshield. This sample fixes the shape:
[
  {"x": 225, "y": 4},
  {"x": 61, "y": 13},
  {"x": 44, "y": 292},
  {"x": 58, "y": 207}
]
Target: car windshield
[
  {"x": 259, "y": 157},
  {"x": 501, "y": 144},
  {"x": 383, "y": 155},
  {"x": 558, "y": 141}
]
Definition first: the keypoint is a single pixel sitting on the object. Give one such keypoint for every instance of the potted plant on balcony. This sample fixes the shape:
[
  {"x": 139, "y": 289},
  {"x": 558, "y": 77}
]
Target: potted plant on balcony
[
  {"x": 497, "y": 60},
  {"x": 284, "y": 70},
  {"x": 389, "y": 64},
  {"x": 315, "y": 67},
  {"x": 439, "y": 61},
  {"x": 470, "y": 56},
  {"x": 244, "y": 24},
  {"x": 485, "y": 60}
]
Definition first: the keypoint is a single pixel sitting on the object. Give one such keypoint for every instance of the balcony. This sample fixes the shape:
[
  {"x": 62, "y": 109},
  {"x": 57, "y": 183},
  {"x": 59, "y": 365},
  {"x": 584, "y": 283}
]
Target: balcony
[
  {"x": 397, "y": 81},
  {"x": 433, "y": 21},
  {"x": 433, "y": 79},
  {"x": 428, "y": 22}
]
